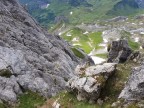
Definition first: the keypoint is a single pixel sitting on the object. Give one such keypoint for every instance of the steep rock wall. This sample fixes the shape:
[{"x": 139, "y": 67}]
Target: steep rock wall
[{"x": 37, "y": 60}]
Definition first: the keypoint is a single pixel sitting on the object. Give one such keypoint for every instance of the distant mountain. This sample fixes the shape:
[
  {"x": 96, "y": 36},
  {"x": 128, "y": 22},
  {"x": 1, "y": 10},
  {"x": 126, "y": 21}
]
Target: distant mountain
[
  {"x": 127, "y": 7},
  {"x": 140, "y": 3},
  {"x": 48, "y": 12},
  {"x": 33, "y": 4}
]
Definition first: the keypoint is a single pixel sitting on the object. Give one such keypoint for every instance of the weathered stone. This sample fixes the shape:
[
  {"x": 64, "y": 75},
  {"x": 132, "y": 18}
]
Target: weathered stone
[
  {"x": 115, "y": 104},
  {"x": 39, "y": 61},
  {"x": 134, "y": 88},
  {"x": 89, "y": 84},
  {"x": 119, "y": 51},
  {"x": 80, "y": 69},
  {"x": 100, "y": 69},
  {"x": 135, "y": 56},
  {"x": 87, "y": 88},
  {"x": 9, "y": 89}
]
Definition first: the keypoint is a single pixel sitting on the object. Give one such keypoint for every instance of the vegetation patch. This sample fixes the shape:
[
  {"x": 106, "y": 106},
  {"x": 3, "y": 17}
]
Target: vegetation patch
[
  {"x": 30, "y": 100},
  {"x": 83, "y": 11},
  {"x": 3, "y": 106},
  {"x": 69, "y": 100},
  {"x": 86, "y": 41},
  {"x": 132, "y": 44},
  {"x": 5, "y": 73},
  {"x": 115, "y": 83},
  {"x": 96, "y": 37},
  {"x": 77, "y": 53},
  {"x": 104, "y": 56},
  {"x": 109, "y": 93}
]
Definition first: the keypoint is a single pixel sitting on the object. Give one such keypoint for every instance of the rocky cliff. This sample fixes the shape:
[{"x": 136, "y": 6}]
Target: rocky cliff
[{"x": 30, "y": 58}]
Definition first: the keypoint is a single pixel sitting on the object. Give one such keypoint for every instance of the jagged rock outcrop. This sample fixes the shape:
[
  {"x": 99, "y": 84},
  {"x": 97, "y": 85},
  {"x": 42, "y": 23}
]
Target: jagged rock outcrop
[
  {"x": 134, "y": 88},
  {"x": 119, "y": 51},
  {"x": 89, "y": 83},
  {"x": 37, "y": 60}
]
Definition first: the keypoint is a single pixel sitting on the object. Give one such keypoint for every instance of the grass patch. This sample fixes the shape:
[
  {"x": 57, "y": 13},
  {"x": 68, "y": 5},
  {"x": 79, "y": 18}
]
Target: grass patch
[
  {"x": 77, "y": 53},
  {"x": 133, "y": 45},
  {"x": 105, "y": 55},
  {"x": 3, "y": 106},
  {"x": 96, "y": 37},
  {"x": 74, "y": 32},
  {"x": 87, "y": 42},
  {"x": 69, "y": 100},
  {"x": 30, "y": 100}
]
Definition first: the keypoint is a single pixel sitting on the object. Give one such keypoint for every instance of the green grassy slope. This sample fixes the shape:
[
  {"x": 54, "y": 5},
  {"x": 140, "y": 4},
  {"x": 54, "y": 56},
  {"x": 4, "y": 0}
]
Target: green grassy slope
[
  {"x": 82, "y": 11},
  {"x": 87, "y": 42},
  {"x": 27, "y": 100}
]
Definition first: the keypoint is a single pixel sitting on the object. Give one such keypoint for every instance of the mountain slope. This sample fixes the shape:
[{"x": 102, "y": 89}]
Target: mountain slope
[
  {"x": 126, "y": 8},
  {"x": 78, "y": 11},
  {"x": 30, "y": 58}
]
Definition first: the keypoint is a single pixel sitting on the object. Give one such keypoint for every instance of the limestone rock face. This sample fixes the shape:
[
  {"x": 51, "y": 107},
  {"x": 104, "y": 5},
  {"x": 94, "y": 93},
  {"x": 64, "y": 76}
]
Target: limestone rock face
[
  {"x": 100, "y": 69},
  {"x": 9, "y": 89},
  {"x": 119, "y": 51},
  {"x": 89, "y": 84},
  {"x": 37, "y": 60},
  {"x": 134, "y": 88}
]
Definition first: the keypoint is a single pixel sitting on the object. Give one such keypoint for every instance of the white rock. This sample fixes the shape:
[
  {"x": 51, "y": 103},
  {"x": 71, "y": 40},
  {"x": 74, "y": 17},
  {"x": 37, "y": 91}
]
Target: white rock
[
  {"x": 71, "y": 13},
  {"x": 86, "y": 32},
  {"x": 136, "y": 39},
  {"x": 142, "y": 33},
  {"x": 97, "y": 60},
  {"x": 105, "y": 68},
  {"x": 56, "y": 104},
  {"x": 105, "y": 40}
]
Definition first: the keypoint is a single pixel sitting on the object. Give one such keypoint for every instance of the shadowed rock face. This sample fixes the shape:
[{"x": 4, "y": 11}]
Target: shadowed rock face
[
  {"x": 37, "y": 60},
  {"x": 119, "y": 51}
]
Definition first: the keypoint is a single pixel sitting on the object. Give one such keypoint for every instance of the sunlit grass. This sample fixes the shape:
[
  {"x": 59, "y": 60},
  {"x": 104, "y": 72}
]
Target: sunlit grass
[{"x": 87, "y": 41}]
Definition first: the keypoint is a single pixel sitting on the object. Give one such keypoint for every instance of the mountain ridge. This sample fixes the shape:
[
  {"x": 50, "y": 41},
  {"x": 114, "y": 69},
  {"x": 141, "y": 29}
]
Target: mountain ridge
[{"x": 31, "y": 58}]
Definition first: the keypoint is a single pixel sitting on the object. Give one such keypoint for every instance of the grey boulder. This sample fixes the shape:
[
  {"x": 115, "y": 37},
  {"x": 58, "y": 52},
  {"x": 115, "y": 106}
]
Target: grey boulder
[
  {"x": 9, "y": 89},
  {"x": 88, "y": 85},
  {"x": 134, "y": 88}
]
